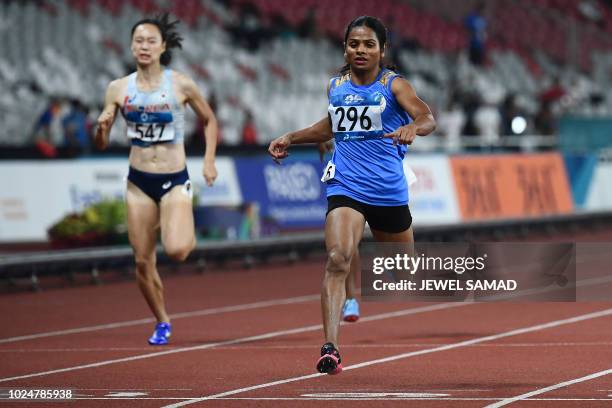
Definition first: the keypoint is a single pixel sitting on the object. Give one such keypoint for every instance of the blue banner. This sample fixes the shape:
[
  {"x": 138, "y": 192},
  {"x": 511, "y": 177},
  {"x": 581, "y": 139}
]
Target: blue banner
[
  {"x": 290, "y": 195},
  {"x": 580, "y": 169}
]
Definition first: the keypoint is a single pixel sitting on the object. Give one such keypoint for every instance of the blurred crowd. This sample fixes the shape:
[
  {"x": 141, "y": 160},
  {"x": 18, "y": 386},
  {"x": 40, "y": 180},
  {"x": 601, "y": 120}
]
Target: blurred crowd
[{"x": 470, "y": 108}]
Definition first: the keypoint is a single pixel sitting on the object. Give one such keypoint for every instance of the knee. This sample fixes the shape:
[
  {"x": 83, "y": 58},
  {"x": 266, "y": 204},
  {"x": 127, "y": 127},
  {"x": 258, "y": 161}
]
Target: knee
[
  {"x": 338, "y": 261},
  {"x": 178, "y": 252},
  {"x": 144, "y": 266}
]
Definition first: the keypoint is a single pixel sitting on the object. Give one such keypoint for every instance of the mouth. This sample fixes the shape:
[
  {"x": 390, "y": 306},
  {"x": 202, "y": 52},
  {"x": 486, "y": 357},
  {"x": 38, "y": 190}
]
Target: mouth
[{"x": 360, "y": 61}]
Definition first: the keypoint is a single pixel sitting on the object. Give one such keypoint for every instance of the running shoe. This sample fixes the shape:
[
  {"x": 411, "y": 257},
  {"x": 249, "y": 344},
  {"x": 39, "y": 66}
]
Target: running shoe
[
  {"x": 161, "y": 334},
  {"x": 330, "y": 361},
  {"x": 350, "y": 310}
]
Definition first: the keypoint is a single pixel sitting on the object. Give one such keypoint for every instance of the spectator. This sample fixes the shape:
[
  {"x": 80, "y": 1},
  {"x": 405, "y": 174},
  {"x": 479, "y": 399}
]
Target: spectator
[
  {"x": 48, "y": 129},
  {"x": 545, "y": 121},
  {"x": 451, "y": 124},
  {"x": 476, "y": 25},
  {"x": 509, "y": 111},
  {"x": 48, "y": 126},
  {"x": 554, "y": 92},
  {"x": 76, "y": 127},
  {"x": 307, "y": 28},
  {"x": 247, "y": 30},
  {"x": 249, "y": 132},
  {"x": 487, "y": 120}
]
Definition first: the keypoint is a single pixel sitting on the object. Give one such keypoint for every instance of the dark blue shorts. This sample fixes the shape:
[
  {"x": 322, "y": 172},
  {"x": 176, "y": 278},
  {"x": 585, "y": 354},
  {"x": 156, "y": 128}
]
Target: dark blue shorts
[{"x": 155, "y": 185}]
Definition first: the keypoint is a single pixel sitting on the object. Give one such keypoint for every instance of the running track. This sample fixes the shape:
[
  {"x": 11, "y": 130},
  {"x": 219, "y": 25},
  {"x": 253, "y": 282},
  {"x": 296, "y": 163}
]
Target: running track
[{"x": 251, "y": 338}]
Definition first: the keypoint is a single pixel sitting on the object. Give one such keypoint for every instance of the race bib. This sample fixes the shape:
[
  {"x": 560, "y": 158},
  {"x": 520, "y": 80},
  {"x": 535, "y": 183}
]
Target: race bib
[
  {"x": 150, "y": 132},
  {"x": 355, "y": 117},
  {"x": 329, "y": 172},
  {"x": 150, "y": 127}
]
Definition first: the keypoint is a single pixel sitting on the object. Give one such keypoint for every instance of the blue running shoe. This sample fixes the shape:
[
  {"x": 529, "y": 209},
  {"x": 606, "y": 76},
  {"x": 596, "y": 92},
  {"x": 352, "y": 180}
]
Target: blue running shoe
[
  {"x": 350, "y": 310},
  {"x": 161, "y": 334}
]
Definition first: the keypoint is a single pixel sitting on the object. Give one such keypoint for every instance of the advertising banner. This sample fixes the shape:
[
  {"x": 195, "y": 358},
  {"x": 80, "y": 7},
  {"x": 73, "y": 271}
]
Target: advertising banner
[
  {"x": 432, "y": 196},
  {"x": 511, "y": 186},
  {"x": 290, "y": 195}
]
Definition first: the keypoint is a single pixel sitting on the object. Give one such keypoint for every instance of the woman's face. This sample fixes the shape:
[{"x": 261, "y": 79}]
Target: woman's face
[
  {"x": 362, "y": 50},
  {"x": 147, "y": 45}
]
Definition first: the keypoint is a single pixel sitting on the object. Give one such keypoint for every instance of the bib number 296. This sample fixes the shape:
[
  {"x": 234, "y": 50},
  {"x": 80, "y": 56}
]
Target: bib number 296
[{"x": 354, "y": 115}]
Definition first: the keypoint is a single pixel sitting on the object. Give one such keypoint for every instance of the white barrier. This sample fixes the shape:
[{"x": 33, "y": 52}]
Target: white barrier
[
  {"x": 599, "y": 196},
  {"x": 36, "y": 194}
]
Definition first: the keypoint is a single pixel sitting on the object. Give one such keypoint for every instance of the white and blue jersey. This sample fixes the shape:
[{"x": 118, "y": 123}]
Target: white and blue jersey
[
  {"x": 365, "y": 166},
  {"x": 153, "y": 116}
]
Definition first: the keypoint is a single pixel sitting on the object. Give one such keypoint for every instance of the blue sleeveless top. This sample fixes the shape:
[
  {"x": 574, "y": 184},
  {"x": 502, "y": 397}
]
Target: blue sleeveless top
[
  {"x": 153, "y": 116},
  {"x": 368, "y": 168}
]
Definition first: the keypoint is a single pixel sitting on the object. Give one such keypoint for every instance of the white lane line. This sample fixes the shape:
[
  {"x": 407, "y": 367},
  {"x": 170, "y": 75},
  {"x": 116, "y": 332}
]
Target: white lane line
[
  {"x": 309, "y": 346},
  {"x": 514, "y": 332},
  {"x": 400, "y": 399},
  {"x": 320, "y": 399},
  {"x": 195, "y": 313},
  {"x": 280, "y": 333},
  {"x": 550, "y": 388},
  {"x": 255, "y": 305}
]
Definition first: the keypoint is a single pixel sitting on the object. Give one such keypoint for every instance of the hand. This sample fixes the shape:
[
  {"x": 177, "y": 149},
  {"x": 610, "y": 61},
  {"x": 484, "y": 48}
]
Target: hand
[
  {"x": 278, "y": 148},
  {"x": 105, "y": 121},
  {"x": 404, "y": 135},
  {"x": 325, "y": 147},
  {"x": 210, "y": 172}
]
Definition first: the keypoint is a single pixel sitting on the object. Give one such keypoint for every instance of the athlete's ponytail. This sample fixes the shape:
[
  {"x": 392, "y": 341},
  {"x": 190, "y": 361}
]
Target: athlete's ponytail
[
  {"x": 168, "y": 33},
  {"x": 381, "y": 34}
]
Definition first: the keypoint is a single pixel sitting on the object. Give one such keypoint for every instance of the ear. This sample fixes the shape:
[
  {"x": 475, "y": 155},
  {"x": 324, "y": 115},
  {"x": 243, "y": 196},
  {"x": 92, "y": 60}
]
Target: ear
[{"x": 163, "y": 47}]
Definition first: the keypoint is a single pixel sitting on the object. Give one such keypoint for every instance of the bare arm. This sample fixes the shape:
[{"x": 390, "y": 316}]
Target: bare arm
[
  {"x": 423, "y": 121},
  {"x": 107, "y": 117},
  {"x": 318, "y": 132},
  {"x": 205, "y": 113}
]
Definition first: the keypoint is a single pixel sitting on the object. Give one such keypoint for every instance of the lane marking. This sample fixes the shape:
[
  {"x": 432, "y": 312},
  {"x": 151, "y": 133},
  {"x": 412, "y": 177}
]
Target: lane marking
[
  {"x": 375, "y": 395},
  {"x": 391, "y": 399},
  {"x": 320, "y": 399},
  {"x": 269, "y": 335},
  {"x": 549, "y": 388},
  {"x": 195, "y": 313},
  {"x": 309, "y": 346},
  {"x": 261, "y": 304},
  {"x": 515, "y": 332}
]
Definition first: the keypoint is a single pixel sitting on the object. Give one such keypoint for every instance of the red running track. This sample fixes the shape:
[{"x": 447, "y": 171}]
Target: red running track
[{"x": 251, "y": 338}]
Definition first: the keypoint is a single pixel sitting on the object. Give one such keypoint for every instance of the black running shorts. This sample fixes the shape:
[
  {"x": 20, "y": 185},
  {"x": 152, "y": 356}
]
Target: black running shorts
[{"x": 391, "y": 219}]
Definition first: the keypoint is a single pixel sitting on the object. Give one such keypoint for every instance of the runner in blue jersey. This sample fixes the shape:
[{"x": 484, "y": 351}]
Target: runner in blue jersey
[
  {"x": 152, "y": 101},
  {"x": 373, "y": 115}
]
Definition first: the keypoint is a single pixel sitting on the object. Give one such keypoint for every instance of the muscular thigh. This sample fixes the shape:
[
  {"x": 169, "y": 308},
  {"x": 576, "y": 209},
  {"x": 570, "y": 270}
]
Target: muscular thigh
[
  {"x": 143, "y": 220},
  {"x": 404, "y": 236},
  {"x": 176, "y": 218},
  {"x": 344, "y": 229}
]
